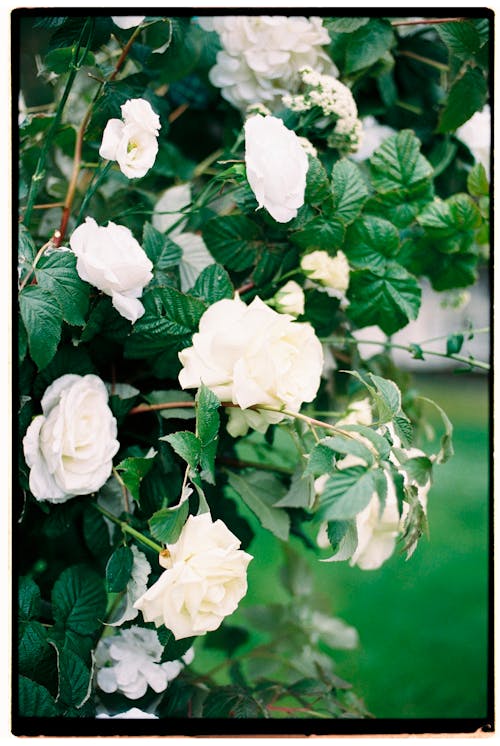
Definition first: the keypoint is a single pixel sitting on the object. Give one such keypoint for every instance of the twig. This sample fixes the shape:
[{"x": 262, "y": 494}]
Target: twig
[
  {"x": 426, "y": 60},
  {"x": 128, "y": 529},
  {"x": 427, "y": 21}
]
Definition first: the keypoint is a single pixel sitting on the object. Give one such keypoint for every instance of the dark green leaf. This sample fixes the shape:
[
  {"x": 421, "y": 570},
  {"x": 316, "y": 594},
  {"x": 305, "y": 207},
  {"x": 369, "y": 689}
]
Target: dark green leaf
[
  {"x": 59, "y": 60},
  {"x": 33, "y": 647},
  {"x": 57, "y": 274},
  {"x": 166, "y": 524},
  {"x": 349, "y": 190},
  {"x": 213, "y": 284},
  {"x": 207, "y": 415},
  {"x": 347, "y": 492},
  {"x": 367, "y": 45},
  {"x": 389, "y": 297},
  {"x": 29, "y": 598},
  {"x": 133, "y": 470},
  {"x": 79, "y": 600},
  {"x": 321, "y": 461},
  {"x": 467, "y": 95},
  {"x": 398, "y": 163},
  {"x": 27, "y": 248},
  {"x": 227, "y": 638},
  {"x": 320, "y": 233},
  {"x": 404, "y": 429},
  {"x": 74, "y": 679},
  {"x": 317, "y": 183},
  {"x": 301, "y": 492},
  {"x": 418, "y": 468},
  {"x": 182, "y": 53},
  {"x": 401, "y": 206},
  {"x": 260, "y": 492},
  {"x": 343, "y": 537},
  {"x": 345, "y": 25},
  {"x": 454, "y": 343},
  {"x": 96, "y": 534},
  {"x": 233, "y": 241},
  {"x": 452, "y": 221},
  {"x": 173, "y": 649},
  {"x": 464, "y": 38},
  {"x": 186, "y": 445},
  {"x": 42, "y": 319},
  {"x": 161, "y": 250},
  {"x": 231, "y": 701},
  {"x": 370, "y": 241},
  {"x": 118, "y": 569},
  {"x": 35, "y": 700}
]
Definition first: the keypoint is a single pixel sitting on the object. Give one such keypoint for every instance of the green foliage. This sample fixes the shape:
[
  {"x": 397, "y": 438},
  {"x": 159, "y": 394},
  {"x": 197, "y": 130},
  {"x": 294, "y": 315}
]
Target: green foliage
[
  {"x": 233, "y": 240},
  {"x": 260, "y": 492},
  {"x": 42, "y": 318},
  {"x": 35, "y": 700},
  {"x": 79, "y": 600},
  {"x": 133, "y": 470},
  {"x": 118, "y": 569}
]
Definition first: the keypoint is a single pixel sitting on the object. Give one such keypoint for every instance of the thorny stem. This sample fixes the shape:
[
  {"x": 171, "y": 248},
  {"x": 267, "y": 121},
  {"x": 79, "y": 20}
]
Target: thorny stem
[
  {"x": 427, "y": 21},
  {"x": 128, "y": 529},
  {"x": 126, "y": 49},
  {"x": 411, "y": 349}
]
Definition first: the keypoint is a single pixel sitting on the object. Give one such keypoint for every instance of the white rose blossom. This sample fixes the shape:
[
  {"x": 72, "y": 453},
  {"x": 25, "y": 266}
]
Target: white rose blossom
[
  {"x": 276, "y": 166},
  {"x": 133, "y": 714},
  {"x": 289, "y": 299},
  {"x": 250, "y": 356},
  {"x": 133, "y": 142},
  {"x": 204, "y": 580},
  {"x": 70, "y": 447},
  {"x": 330, "y": 271},
  {"x": 110, "y": 258},
  {"x": 126, "y": 22},
  {"x": 377, "y": 532},
  {"x": 129, "y": 662},
  {"x": 261, "y": 56}
]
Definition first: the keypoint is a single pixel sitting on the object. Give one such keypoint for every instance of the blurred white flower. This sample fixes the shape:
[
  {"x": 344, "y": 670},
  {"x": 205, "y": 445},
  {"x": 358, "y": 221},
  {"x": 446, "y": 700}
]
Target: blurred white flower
[
  {"x": 289, "y": 299},
  {"x": 204, "y": 580},
  {"x": 168, "y": 213},
  {"x": 476, "y": 134},
  {"x": 70, "y": 447},
  {"x": 373, "y": 135},
  {"x": 252, "y": 355},
  {"x": 133, "y": 142},
  {"x": 110, "y": 258},
  {"x": 359, "y": 412},
  {"x": 261, "y": 56},
  {"x": 127, "y": 21},
  {"x": 133, "y": 714},
  {"x": 332, "y": 272},
  {"x": 377, "y": 531},
  {"x": 129, "y": 662},
  {"x": 276, "y": 166}
]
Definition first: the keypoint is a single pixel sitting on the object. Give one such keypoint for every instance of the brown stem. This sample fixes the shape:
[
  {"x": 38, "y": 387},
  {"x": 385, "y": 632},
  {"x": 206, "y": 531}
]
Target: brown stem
[
  {"x": 177, "y": 112},
  {"x": 126, "y": 49},
  {"x": 245, "y": 288},
  {"x": 425, "y": 60},
  {"x": 48, "y": 206},
  {"x": 141, "y": 408},
  {"x": 426, "y": 21}
]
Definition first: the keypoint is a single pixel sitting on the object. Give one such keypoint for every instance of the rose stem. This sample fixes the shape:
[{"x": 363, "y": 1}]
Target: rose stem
[{"x": 128, "y": 529}]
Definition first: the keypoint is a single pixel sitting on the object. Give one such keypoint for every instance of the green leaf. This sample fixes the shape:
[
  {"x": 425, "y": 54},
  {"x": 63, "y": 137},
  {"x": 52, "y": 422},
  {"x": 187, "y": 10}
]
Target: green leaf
[
  {"x": 166, "y": 524},
  {"x": 35, "y": 700},
  {"x": 389, "y": 297},
  {"x": 446, "y": 451},
  {"x": 75, "y": 682},
  {"x": 401, "y": 206},
  {"x": 260, "y": 492},
  {"x": 118, "y": 569},
  {"x": 186, "y": 445},
  {"x": 346, "y": 493},
  {"x": 321, "y": 461},
  {"x": 160, "y": 249},
  {"x": 454, "y": 343},
  {"x": 387, "y": 397},
  {"x": 182, "y": 311},
  {"x": 452, "y": 221},
  {"x": 379, "y": 442},
  {"x": 477, "y": 181},
  {"x": 213, "y": 284},
  {"x": 29, "y": 598},
  {"x": 57, "y": 274},
  {"x": 33, "y": 647},
  {"x": 467, "y": 95},
  {"x": 343, "y": 537},
  {"x": 418, "y": 468},
  {"x": 233, "y": 241},
  {"x": 404, "y": 429},
  {"x": 27, "y": 248},
  {"x": 227, "y": 638},
  {"x": 42, "y": 319},
  {"x": 301, "y": 492},
  {"x": 344, "y": 445},
  {"x": 317, "y": 183},
  {"x": 96, "y": 534},
  {"x": 398, "y": 163},
  {"x": 207, "y": 426},
  {"x": 345, "y": 25},
  {"x": 181, "y": 413},
  {"x": 296, "y": 573},
  {"x": 173, "y": 649},
  {"x": 349, "y": 190},
  {"x": 370, "y": 241},
  {"x": 79, "y": 600},
  {"x": 464, "y": 38},
  {"x": 133, "y": 470},
  {"x": 320, "y": 233},
  {"x": 367, "y": 45},
  {"x": 58, "y": 60},
  {"x": 183, "y": 52}
]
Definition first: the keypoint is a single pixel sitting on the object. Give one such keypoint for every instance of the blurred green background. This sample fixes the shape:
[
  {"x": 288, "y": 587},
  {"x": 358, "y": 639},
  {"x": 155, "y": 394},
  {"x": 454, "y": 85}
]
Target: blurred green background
[{"x": 422, "y": 623}]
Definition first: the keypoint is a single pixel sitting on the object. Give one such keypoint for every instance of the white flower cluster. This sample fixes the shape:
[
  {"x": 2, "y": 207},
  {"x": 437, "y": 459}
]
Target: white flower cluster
[
  {"x": 252, "y": 356},
  {"x": 335, "y": 100},
  {"x": 129, "y": 662},
  {"x": 262, "y": 55}
]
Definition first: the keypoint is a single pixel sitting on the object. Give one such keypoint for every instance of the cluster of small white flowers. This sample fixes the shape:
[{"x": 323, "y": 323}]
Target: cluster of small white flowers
[
  {"x": 130, "y": 662},
  {"x": 261, "y": 56},
  {"x": 333, "y": 98}
]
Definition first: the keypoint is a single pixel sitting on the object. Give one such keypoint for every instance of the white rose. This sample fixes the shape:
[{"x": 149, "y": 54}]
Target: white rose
[
  {"x": 276, "y": 165},
  {"x": 129, "y": 662},
  {"x": 133, "y": 142},
  {"x": 261, "y": 56},
  {"x": 127, "y": 21},
  {"x": 377, "y": 533},
  {"x": 112, "y": 260},
  {"x": 359, "y": 412},
  {"x": 133, "y": 714},
  {"x": 204, "y": 580},
  {"x": 70, "y": 447},
  {"x": 253, "y": 356},
  {"x": 333, "y": 272},
  {"x": 290, "y": 299}
]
